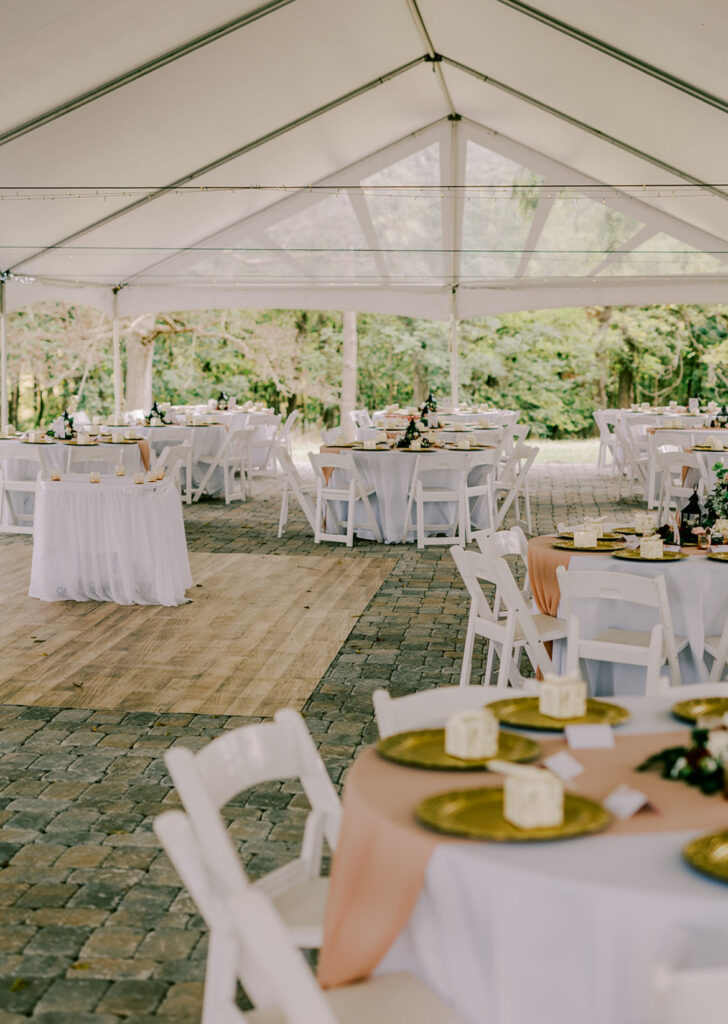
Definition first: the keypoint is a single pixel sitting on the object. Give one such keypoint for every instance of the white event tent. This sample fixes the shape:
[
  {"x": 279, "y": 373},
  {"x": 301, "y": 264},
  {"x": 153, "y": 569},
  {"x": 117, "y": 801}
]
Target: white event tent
[{"x": 435, "y": 158}]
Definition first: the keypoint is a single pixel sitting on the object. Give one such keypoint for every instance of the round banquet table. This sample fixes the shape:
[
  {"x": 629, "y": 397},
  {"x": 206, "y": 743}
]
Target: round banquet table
[
  {"x": 206, "y": 440},
  {"x": 697, "y": 589},
  {"x": 112, "y": 541},
  {"x": 390, "y": 473},
  {"x": 559, "y": 933}
]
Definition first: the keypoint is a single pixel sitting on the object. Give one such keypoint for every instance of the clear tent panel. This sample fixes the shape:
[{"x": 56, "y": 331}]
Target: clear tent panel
[{"x": 665, "y": 255}]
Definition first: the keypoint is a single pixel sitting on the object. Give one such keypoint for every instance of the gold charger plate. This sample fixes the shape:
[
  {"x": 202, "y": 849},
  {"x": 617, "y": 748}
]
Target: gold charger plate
[
  {"x": 38, "y": 442},
  {"x": 612, "y": 535},
  {"x": 523, "y": 712},
  {"x": 85, "y": 444},
  {"x": 700, "y": 707},
  {"x": 425, "y": 748},
  {"x": 717, "y": 556},
  {"x": 126, "y": 440},
  {"x": 478, "y": 814},
  {"x": 705, "y": 448},
  {"x": 709, "y": 855},
  {"x": 635, "y": 556},
  {"x": 602, "y": 545}
]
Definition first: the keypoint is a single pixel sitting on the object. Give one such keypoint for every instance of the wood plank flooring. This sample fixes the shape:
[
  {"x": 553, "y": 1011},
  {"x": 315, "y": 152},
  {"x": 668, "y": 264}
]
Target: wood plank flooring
[{"x": 258, "y": 635}]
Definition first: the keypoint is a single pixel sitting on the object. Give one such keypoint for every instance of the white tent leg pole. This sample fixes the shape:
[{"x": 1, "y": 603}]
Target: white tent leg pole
[
  {"x": 348, "y": 370},
  {"x": 3, "y": 360},
  {"x": 117, "y": 361},
  {"x": 454, "y": 368}
]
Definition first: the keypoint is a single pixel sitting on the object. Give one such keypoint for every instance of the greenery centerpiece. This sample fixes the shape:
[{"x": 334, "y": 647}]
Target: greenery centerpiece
[
  {"x": 702, "y": 764},
  {"x": 716, "y": 503}
]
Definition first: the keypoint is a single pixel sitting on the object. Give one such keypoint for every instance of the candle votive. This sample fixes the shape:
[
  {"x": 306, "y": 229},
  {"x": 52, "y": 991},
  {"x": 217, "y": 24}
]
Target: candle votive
[
  {"x": 704, "y": 540},
  {"x": 95, "y": 478},
  {"x": 138, "y": 478},
  {"x": 55, "y": 475},
  {"x": 120, "y": 471}
]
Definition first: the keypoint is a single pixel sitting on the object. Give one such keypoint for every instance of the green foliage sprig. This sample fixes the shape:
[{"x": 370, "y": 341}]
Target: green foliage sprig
[
  {"x": 694, "y": 765},
  {"x": 716, "y": 503}
]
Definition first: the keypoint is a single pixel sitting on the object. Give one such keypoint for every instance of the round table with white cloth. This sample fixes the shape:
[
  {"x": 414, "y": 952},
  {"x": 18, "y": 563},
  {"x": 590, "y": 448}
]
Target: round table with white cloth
[
  {"x": 390, "y": 473},
  {"x": 549, "y": 932},
  {"x": 206, "y": 440},
  {"x": 111, "y": 541}
]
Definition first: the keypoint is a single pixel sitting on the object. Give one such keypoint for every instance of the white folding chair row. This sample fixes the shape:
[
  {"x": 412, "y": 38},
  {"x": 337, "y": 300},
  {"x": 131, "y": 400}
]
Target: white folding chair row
[
  {"x": 234, "y": 459},
  {"x": 15, "y": 489},
  {"x": 250, "y": 756},
  {"x": 173, "y": 459},
  {"x": 250, "y": 944},
  {"x": 349, "y": 489},
  {"x": 651, "y": 649},
  {"x": 508, "y": 635},
  {"x": 293, "y": 483}
]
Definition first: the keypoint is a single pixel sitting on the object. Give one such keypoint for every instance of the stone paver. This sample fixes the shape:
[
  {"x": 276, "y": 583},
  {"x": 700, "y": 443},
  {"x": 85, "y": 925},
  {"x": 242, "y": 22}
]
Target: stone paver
[{"x": 94, "y": 926}]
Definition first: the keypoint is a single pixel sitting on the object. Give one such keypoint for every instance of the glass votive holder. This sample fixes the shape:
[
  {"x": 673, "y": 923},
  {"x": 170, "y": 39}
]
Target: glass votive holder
[
  {"x": 703, "y": 540},
  {"x": 120, "y": 471},
  {"x": 55, "y": 475},
  {"x": 95, "y": 478},
  {"x": 138, "y": 478}
]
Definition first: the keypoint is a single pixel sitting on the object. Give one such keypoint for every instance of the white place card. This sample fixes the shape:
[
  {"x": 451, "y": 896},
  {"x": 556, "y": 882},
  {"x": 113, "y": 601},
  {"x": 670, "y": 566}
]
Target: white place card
[
  {"x": 624, "y": 801},
  {"x": 563, "y": 765},
  {"x": 588, "y": 737},
  {"x": 671, "y": 547},
  {"x": 719, "y": 547}
]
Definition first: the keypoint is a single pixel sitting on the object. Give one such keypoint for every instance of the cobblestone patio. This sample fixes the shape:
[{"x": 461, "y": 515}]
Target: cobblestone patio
[{"x": 93, "y": 924}]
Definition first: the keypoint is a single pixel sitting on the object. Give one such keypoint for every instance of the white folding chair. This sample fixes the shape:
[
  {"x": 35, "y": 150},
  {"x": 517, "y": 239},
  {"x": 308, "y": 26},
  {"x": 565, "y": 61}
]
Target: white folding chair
[
  {"x": 504, "y": 543},
  {"x": 635, "y": 464},
  {"x": 519, "y": 629},
  {"x": 249, "y": 756},
  {"x": 249, "y": 943},
  {"x": 674, "y": 467},
  {"x": 362, "y": 418},
  {"x": 480, "y": 486},
  {"x": 717, "y": 648},
  {"x": 648, "y": 648},
  {"x": 424, "y": 491},
  {"x": 293, "y": 483},
  {"x": 173, "y": 459},
  {"x": 283, "y": 435},
  {"x": 351, "y": 491},
  {"x": 605, "y": 420},
  {"x": 426, "y": 709},
  {"x": 687, "y": 994},
  {"x": 334, "y": 436},
  {"x": 511, "y": 484},
  {"x": 234, "y": 459},
  {"x": 261, "y": 460},
  {"x": 17, "y": 484}
]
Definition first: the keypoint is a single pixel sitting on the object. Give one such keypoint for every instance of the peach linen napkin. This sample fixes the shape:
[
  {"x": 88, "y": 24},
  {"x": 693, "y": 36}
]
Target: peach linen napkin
[{"x": 382, "y": 855}]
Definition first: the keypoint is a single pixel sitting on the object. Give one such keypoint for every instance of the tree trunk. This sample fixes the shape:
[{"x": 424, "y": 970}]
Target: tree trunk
[
  {"x": 348, "y": 368},
  {"x": 625, "y": 392},
  {"x": 139, "y": 359},
  {"x": 419, "y": 380}
]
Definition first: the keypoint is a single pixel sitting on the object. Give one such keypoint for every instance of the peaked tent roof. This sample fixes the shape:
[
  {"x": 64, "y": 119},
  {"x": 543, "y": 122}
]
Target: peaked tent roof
[{"x": 473, "y": 156}]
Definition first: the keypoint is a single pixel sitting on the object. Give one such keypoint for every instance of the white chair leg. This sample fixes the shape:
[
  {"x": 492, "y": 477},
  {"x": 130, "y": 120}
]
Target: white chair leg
[
  {"x": 506, "y": 655},
  {"x": 351, "y": 515},
  {"x": 218, "y": 1002},
  {"x": 527, "y": 503},
  {"x": 489, "y": 664},
  {"x": 467, "y": 665},
  {"x": 420, "y": 519},
  {"x": 319, "y": 511},
  {"x": 284, "y": 510},
  {"x": 720, "y": 659}
]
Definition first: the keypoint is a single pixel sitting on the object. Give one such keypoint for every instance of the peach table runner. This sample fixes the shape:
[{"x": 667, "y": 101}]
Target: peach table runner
[{"x": 382, "y": 855}]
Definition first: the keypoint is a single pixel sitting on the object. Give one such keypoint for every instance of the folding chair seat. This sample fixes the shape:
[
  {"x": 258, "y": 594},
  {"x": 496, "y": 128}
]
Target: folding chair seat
[
  {"x": 519, "y": 630},
  {"x": 173, "y": 459},
  {"x": 250, "y": 944},
  {"x": 651, "y": 648},
  {"x": 246, "y": 757},
  {"x": 424, "y": 491},
  {"x": 303, "y": 491},
  {"x": 16, "y": 484},
  {"x": 511, "y": 484},
  {"x": 332, "y": 490}
]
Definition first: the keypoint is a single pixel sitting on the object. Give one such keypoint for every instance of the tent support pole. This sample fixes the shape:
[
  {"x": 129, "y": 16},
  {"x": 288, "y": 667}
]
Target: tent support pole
[
  {"x": 348, "y": 370},
  {"x": 3, "y": 359},
  {"x": 454, "y": 375},
  {"x": 117, "y": 358}
]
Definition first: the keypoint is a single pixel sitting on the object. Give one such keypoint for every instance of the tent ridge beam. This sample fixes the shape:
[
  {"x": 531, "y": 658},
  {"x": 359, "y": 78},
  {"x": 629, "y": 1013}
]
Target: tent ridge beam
[
  {"x": 590, "y": 129},
  {"x": 227, "y": 158},
  {"x": 433, "y": 56},
  {"x": 618, "y": 54},
  {"x": 141, "y": 70}
]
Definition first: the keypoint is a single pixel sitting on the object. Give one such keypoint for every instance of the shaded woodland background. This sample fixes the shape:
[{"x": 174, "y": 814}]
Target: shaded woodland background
[{"x": 557, "y": 366}]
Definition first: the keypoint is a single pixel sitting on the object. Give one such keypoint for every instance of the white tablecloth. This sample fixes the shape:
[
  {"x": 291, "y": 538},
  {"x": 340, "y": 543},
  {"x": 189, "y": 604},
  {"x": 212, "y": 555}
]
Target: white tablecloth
[
  {"x": 561, "y": 933},
  {"x": 204, "y": 440},
  {"x": 697, "y": 590},
  {"x": 113, "y": 541},
  {"x": 390, "y": 473}
]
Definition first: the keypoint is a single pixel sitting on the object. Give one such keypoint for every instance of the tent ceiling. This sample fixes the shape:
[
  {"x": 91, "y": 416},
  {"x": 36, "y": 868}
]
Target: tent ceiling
[{"x": 302, "y": 155}]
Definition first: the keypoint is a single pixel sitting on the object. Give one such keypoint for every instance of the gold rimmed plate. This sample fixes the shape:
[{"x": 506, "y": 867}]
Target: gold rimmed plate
[
  {"x": 126, "y": 440},
  {"x": 602, "y": 545},
  {"x": 707, "y": 448},
  {"x": 717, "y": 556},
  {"x": 709, "y": 855},
  {"x": 634, "y": 555},
  {"x": 478, "y": 814},
  {"x": 46, "y": 441},
  {"x": 425, "y": 748},
  {"x": 82, "y": 444},
  {"x": 700, "y": 707},
  {"x": 611, "y": 535},
  {"x": 523, "y": 712}
]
